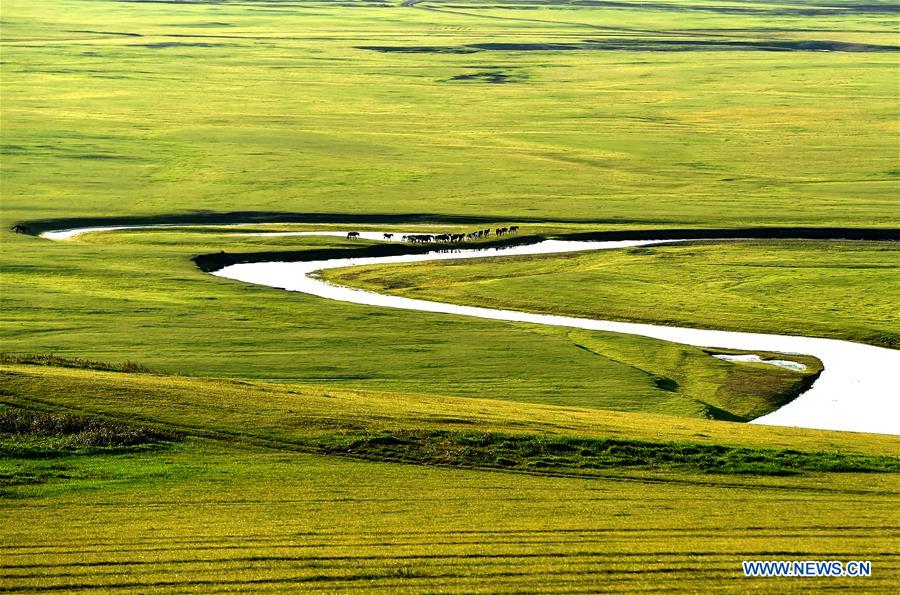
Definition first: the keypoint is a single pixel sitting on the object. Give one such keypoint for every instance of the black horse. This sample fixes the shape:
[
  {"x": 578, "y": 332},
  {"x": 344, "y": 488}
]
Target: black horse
[{"x": 352, "y": 235}]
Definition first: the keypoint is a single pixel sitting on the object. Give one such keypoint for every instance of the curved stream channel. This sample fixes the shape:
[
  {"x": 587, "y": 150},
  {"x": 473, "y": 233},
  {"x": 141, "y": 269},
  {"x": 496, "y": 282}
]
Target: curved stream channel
[{"x": 857, "y": 391}]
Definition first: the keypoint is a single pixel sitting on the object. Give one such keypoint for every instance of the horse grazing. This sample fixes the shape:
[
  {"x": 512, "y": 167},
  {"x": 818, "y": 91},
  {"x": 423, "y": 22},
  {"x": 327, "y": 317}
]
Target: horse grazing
[
  {"x": 19, "y": 228},
  {"x": 388, "y": 236},
  {"x": 352, "y": 235},
  {"x": 514, "y": 229}
]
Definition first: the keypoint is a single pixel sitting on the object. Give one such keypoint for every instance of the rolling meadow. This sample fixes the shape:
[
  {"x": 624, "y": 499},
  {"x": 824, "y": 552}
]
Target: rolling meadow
[
  {"x": 162, "y": 429},
  {"x": 230, "y": 484},
  {"x": 843, "y": 290}
]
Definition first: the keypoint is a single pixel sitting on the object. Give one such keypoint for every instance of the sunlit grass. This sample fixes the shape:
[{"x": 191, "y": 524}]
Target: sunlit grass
[
  {"x": 158, "y": 107},
  {"x": 278, "y": 478},
  {"x": 241, "y": 502},
  {"x": 845, "y": 290}
]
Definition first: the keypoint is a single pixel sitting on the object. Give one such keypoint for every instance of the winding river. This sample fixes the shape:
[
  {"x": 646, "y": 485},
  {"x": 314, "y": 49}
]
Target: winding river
[{"x": 857, "y": 390}]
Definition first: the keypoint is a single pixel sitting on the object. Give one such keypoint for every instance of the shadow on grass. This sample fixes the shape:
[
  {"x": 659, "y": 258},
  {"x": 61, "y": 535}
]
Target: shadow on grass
[
  {"x": 48, "y": 359},
  {"x": 643, "y": 45},
  {"x": 214, "y": 262},
  {"x": 28, "y": 433},
  {"x": 537, "y": 453}
]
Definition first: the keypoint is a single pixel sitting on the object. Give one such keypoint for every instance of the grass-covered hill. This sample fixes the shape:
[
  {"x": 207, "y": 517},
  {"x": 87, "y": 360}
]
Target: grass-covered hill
[{"x": 147, "y": 482}]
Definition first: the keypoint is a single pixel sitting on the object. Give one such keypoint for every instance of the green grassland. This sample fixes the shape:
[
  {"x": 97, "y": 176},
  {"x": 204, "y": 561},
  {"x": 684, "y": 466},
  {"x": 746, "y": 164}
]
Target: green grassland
[
  {"x": 844, "y": 290},
  {"x": 123, "y": 109},
  {"x": 354, "y": 447},
  {"x": 140, "y": 107},
  {"x": 230, "y": 489}
]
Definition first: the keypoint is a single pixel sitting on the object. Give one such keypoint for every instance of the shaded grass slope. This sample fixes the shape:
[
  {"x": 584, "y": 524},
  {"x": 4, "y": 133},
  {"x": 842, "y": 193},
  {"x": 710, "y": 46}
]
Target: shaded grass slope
[
  {"x": 299, "y": 417},
  {"x": 578, "y": 455}
]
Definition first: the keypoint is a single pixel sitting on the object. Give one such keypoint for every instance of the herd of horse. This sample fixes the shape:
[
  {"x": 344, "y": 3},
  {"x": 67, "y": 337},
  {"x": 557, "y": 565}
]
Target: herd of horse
[{"x": 447, "y": 238}]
